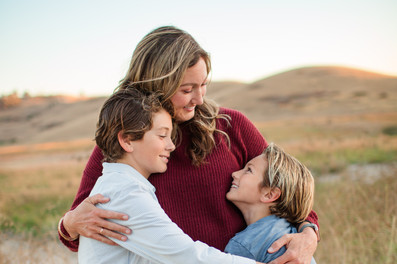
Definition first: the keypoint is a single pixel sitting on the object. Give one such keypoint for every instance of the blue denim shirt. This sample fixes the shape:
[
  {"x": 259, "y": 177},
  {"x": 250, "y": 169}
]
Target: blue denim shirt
[{"x": 254, "y": 241}]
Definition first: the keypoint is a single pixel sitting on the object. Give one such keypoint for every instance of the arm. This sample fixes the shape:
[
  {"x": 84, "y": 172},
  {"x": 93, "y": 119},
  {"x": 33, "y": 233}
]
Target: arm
[
  {"x": 86, "y": 219},
  {"x": 156, "y": 237}
]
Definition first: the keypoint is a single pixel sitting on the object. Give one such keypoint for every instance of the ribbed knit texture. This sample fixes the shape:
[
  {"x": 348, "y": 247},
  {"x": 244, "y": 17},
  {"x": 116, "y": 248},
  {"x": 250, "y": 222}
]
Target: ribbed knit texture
[{"x": 195, "y": 197}]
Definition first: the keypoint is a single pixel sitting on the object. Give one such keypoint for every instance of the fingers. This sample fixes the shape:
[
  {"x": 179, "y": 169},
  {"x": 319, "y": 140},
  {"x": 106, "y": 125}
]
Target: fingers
[
  {"x": 93, "y": 222},
  {"x": 97, "y": 221},
  {"x": 283, "y": 241},
  {"x": 103, "y": 239},
  {"x": 113, "y": 227},
  {"x": 110, "y": 214},
  {"x": 108, "y": 233},
  {"x": 300, "y": 248},
  {"x": 287, "y": 257},
  {"x": 101, "y": 233},
  {"x": 97, "y": 198}
]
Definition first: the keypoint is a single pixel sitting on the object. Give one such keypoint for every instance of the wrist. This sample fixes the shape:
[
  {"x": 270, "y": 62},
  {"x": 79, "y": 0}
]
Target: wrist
[
  {"x": 309, "y": 228},
  {"x": 64, "y": 228}
]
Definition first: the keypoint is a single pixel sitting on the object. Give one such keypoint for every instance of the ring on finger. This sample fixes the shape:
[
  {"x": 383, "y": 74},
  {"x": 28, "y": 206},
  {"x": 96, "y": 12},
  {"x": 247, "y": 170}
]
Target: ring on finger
[{"x": 100, "y": 231}]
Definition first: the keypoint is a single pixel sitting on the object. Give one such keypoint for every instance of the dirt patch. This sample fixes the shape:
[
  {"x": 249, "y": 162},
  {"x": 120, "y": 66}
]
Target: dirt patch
[{"x": 16, "y": 249}]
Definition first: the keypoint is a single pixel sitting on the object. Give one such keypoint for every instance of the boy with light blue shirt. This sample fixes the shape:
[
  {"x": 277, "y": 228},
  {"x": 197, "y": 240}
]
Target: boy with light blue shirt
[
  {"x": 274, "y": 192},
  {"x": 134, "y": 134}
]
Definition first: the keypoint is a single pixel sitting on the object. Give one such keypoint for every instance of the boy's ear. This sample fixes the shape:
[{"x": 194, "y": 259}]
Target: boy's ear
[
  {"x": 270, "y": 195},
  {"x": 125, "y": 142}
]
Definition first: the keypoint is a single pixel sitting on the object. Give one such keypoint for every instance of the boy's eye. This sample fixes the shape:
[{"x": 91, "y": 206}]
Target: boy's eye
[
  {"x": 162, "y": 136},
  {"x": 187, "y": 91}
]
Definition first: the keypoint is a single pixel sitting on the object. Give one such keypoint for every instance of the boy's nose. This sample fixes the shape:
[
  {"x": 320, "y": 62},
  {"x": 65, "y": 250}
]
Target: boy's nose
[
  {"x": 234, "y": 175},
  {"x": 170, "y": 146}
]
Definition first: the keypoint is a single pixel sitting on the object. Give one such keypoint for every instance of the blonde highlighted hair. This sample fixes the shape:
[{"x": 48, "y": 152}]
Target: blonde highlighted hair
[
  {"x": 158, "y": 64},
  {"x": 295, "y": 182}
]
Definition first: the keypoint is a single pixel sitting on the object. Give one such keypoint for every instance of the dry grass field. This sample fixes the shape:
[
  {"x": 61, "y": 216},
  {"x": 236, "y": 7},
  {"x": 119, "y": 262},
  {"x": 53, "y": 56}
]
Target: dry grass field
[{"x": 347, "y": 136}]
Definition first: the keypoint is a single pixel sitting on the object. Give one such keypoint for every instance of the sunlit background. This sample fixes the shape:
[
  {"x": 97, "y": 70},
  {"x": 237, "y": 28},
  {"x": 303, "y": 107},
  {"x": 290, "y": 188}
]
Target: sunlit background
[{"x": 83, "y": 47}]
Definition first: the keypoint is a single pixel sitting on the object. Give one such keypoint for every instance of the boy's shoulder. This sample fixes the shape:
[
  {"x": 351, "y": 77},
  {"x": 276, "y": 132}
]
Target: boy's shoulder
[
  {"x": 259, "y": 236},
  {"x": 270, "y": 226}
]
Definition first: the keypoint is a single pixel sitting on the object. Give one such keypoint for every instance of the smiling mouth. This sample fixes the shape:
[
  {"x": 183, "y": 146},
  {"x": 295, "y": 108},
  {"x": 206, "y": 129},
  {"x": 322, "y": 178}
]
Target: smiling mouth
[
  {"x": 189, "y": 108},
  {"x": 165, "y": 158},
  {"x": 234, "y": 186}
]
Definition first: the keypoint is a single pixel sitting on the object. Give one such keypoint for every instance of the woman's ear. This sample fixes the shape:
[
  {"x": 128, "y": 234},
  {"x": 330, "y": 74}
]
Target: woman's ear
[
  {"x": 270, "y": 195},
  {"x": 125, "y": 142}
]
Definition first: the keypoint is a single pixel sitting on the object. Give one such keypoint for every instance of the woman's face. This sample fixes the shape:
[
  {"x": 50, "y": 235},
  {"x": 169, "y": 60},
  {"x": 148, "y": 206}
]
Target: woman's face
[{"x": 191, "y": 91}]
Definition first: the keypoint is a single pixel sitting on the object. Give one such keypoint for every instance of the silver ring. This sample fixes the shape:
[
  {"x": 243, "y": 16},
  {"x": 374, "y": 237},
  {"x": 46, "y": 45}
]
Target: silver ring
[{"x": 100, "y": 231}]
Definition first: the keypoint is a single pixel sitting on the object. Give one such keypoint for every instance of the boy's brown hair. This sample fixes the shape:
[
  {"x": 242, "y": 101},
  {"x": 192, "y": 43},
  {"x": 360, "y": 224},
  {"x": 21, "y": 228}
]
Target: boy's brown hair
[
  {"x": 129, "y": 111},
  {"x": 295, "y": 182}
]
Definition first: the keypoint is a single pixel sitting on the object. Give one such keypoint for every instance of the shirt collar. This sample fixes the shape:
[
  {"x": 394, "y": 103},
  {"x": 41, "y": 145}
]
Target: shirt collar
[{"x": 127, "y": 170}]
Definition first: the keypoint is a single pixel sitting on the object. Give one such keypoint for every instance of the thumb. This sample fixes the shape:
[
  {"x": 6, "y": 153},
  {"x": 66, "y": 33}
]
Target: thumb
[{"x": 279, "y": 243}]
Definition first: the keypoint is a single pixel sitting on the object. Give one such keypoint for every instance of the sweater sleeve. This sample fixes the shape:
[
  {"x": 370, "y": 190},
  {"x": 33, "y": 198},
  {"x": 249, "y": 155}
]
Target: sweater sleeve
[
  {"x": 91, "y": 173},
  {"x": 313, "y": 218}
]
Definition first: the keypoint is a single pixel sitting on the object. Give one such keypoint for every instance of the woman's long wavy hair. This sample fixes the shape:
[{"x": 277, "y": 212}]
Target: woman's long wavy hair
[{"x": 158, "y": 65}]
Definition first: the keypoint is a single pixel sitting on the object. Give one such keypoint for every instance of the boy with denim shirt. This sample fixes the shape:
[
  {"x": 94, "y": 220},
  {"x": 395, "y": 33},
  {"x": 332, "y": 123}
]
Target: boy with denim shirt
[{"x": 274, "y": 192}]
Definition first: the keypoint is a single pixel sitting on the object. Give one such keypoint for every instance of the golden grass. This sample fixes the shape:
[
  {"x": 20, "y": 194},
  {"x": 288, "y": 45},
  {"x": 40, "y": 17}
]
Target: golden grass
[
  {"x": 358, "y": 220},
  {"x": 38, "y": 183}
]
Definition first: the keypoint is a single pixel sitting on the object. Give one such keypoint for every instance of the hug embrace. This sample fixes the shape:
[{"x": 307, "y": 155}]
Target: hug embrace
[{"x": 180, "y": 214}]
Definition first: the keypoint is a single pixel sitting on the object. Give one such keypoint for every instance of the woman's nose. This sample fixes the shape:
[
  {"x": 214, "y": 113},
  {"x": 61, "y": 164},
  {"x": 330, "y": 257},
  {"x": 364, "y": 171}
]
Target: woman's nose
[{"x": 198, "y": 96}]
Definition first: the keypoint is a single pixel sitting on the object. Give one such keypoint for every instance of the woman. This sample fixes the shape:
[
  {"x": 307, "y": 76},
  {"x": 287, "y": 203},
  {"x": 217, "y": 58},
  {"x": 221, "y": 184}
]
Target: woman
[{"x": 212, "y": 142}]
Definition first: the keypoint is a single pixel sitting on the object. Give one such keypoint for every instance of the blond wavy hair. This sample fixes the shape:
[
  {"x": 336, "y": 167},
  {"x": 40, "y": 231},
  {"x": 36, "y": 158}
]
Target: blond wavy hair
[
  {"x": 158, "y": 64},
  {"x": 295, "y": 182}
]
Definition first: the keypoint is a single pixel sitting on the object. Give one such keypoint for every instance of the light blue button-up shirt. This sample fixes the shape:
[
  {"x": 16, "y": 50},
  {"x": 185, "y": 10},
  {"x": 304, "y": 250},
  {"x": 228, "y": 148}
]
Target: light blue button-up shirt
[{"x": 155, "y": 238}]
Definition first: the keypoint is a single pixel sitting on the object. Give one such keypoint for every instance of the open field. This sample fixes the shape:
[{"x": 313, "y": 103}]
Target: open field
[
  {"x": 342, "y": 123},
  {"x": 356, "y": 183}
]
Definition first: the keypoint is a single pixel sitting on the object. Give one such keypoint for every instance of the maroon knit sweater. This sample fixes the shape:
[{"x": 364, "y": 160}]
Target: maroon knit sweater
[{"x": 195, "y": 197}]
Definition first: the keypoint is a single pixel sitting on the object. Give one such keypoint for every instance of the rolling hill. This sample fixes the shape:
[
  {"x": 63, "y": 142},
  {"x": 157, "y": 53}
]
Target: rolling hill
[{"x": 306, "y": 93}]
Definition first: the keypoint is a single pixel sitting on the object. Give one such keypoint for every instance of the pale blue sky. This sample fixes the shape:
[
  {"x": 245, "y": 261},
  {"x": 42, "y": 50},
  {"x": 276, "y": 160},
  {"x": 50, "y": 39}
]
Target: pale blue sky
[{"x": 83, "y": 47}]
